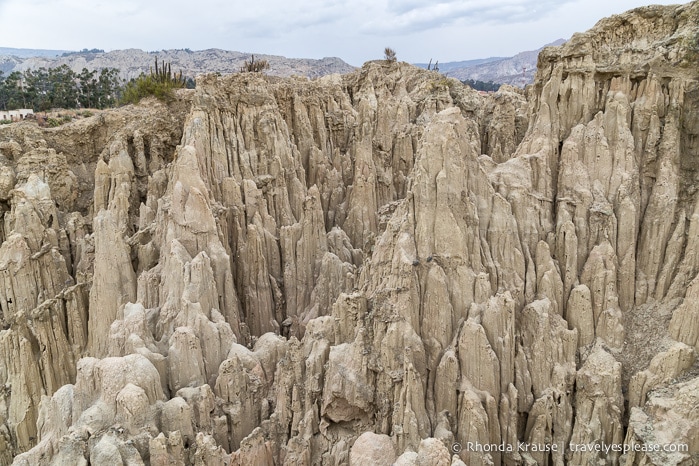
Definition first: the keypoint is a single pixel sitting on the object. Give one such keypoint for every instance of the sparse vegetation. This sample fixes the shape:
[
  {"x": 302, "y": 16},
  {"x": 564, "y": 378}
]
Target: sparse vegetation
[
  {"x": 159, "y": 83},
  {"x": 389, "y": 55},
  {"x": 5, "y": 122},
  {"x": 54, "y": 122},
  {"x": 254, "y": 66}
]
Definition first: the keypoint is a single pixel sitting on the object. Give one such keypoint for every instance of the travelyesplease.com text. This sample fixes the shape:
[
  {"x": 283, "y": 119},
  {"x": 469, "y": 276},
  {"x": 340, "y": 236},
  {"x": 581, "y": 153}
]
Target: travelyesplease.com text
[{"x": 573, "y": 447}]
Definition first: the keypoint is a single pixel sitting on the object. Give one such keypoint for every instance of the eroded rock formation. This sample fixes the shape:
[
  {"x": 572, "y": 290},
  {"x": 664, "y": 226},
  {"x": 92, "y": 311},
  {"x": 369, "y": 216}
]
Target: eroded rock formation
[{"x": 363, "y": 269}]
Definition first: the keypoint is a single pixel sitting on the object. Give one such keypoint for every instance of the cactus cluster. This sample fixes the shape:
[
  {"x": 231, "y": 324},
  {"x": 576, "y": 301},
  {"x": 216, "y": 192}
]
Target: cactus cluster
[
  {"x": 254, "y": 66},
  {"x": 159, "y": 83},
  {"x": 163, "y": 74}
]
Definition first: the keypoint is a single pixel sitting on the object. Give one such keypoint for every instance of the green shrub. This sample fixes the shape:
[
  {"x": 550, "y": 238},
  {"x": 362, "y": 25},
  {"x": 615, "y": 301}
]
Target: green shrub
[
  {"x": 145, "y": 86},
  {"x": 5, "y": 122},
  {"x": 159, "y": 84},
  {"x": 60, "y": 120}
]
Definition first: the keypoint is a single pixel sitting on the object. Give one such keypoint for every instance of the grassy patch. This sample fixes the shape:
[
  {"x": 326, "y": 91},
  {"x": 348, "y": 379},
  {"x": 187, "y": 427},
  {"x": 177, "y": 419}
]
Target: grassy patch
[{"x": 54, "y": 122}]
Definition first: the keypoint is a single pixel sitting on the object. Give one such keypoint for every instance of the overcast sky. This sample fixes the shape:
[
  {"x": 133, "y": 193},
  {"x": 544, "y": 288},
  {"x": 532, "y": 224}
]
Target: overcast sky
[{"x": 354, "y": 30}]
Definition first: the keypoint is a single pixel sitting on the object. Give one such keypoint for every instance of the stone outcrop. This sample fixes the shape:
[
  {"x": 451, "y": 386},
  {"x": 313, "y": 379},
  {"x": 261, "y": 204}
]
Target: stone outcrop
[{"x": 383, "y": 267}]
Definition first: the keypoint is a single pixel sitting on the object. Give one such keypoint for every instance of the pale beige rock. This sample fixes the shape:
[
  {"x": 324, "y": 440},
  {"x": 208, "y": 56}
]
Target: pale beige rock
[
  {"x": 548, "y": 279},
  {"x": 410, "y": 412},
  {"x": 372, "y": 449},
  {"x": 684, "y": 325},
  {"x": 30, "y": 247},
  {"x": 207, "y": 452},
  {"x": 166, "y": 450},
  {"x": 549, "y": 422},
  {"x": 505, "y": 122},
  {"x": 7, "y": 181},
  {"x": 106, "y": 452},
  {"x": 409, "y": 458},
  {"x": 477, "y": 427},
  {"x": 663, "y": 368},
  {"x": 346, "y": 398},
  {"x": 185, "y": 360},
  {"x": 432, "y": 451},
  {"x": 447, "y": 383},
  {"x": 241, "y": 387},
  {"x": 254, "y": 451},
  {"x": 549, "y": 348},
  {"x": 599, "y": 274},
  {"x": 498, "y": 321},
  {"x": 478, "y": 362},
  {"x": 599, "y": 405},
  {"x": 110, "y": 289},
  {"x": 176, "y": 416},
  {"x": 579, "y": 314},
  {"x": 667, "y": 419}
]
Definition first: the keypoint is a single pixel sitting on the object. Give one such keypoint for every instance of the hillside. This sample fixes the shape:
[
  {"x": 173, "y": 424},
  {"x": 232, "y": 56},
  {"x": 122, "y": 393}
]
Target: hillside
[
  {"x": 132, "y": 62},
  {"x": 453, "y": 65},
  {"x": 518, "y": 70},
  {"x": 27, "y": 53}
]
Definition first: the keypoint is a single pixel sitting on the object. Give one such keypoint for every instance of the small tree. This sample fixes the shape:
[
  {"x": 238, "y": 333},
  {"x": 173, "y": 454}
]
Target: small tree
[{"x": 389, "y": 55}]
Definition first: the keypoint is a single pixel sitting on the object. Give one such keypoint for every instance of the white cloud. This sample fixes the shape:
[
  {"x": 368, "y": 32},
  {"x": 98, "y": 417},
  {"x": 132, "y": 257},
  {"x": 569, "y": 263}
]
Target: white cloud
[
  {"x": 420, "y": 15},
  {"x": 355, "y": 30},
  {"x": 271, "y": 19}
]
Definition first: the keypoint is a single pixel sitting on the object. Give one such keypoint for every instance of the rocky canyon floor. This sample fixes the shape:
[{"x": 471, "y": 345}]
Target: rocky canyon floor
[{"x": 382, "y": 267}]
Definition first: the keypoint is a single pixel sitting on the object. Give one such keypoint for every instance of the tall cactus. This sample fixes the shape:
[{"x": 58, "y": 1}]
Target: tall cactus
[{"x": 163, "y": 74}]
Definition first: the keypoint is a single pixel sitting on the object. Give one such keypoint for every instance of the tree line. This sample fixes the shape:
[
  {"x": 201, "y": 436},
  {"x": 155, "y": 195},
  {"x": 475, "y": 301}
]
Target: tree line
[
  {"x": 60, "y": 87},
  {"x": 489, "y": 86}
]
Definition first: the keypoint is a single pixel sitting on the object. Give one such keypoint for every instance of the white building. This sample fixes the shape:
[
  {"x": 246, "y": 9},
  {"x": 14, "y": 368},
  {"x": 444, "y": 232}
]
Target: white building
[{"x": 15, "y": 115}]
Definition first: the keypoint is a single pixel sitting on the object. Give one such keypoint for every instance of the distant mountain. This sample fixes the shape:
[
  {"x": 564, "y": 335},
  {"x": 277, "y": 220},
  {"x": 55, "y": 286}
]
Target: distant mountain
[
  {"x": 452, "y": 65},
  {"x": 518, "y": 70},
  {"x": 132, "y": 62},
  {"x": 27, "y": 53},
  {"x": 8, "y": 63}
]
